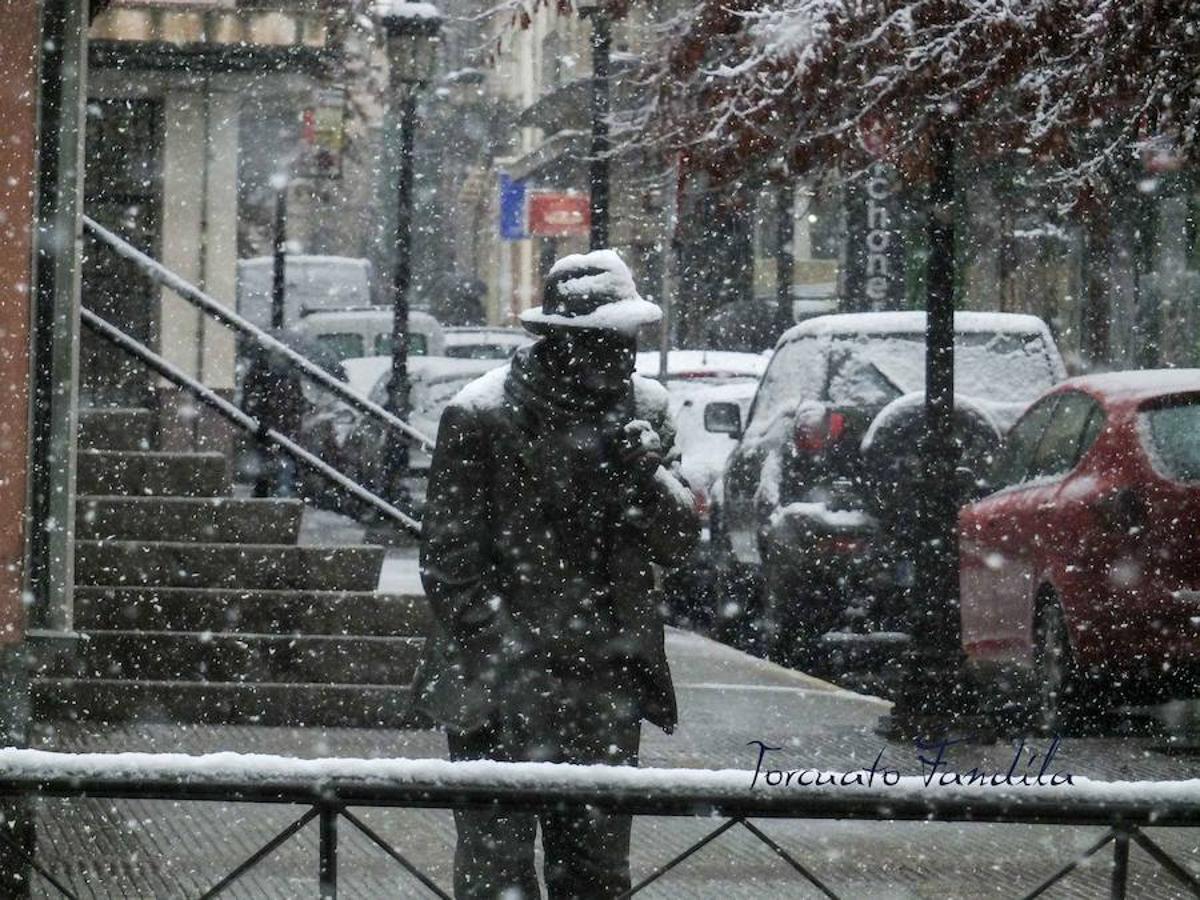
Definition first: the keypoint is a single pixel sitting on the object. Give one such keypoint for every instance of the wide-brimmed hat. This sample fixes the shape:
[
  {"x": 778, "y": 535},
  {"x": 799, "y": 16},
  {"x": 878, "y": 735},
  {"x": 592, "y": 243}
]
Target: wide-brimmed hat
[{"x": 591, "y": 290}]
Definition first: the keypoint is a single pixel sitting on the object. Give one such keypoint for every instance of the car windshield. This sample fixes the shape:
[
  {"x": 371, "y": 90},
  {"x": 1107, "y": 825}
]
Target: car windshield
[{"x": 1174, "y": 439}]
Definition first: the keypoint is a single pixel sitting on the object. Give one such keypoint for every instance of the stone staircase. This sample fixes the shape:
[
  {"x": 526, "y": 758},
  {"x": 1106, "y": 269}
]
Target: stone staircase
[{"x": 193, "y": 605}]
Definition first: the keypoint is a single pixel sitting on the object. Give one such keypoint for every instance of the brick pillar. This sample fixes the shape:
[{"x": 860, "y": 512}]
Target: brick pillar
[{"x": 18, "y": 146}]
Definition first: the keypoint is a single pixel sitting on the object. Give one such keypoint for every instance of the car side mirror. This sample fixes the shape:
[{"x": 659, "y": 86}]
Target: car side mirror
[{"x": 723, "y": 417}]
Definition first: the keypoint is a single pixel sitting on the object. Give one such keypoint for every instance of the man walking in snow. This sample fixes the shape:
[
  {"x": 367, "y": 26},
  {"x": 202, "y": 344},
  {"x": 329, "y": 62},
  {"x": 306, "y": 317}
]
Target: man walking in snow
[{"x": 548, "y": 505}]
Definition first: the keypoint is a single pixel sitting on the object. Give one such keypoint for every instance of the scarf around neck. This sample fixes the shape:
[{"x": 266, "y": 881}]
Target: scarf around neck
[{"x": 556, "y": 401}]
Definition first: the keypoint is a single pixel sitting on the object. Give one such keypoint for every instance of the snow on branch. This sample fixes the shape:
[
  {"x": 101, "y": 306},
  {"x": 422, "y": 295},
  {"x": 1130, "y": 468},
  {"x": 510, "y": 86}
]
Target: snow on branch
[{"x": 1080, "y": 85}]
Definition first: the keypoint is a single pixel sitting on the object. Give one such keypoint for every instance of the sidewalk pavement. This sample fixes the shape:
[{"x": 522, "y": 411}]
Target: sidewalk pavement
[{"x": 162, "y": 849}]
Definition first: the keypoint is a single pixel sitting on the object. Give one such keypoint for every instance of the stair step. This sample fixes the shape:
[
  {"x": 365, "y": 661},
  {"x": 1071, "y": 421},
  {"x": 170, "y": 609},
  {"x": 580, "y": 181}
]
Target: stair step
[
  {"x": 248, "y": 658},
  {"x": 107, "y": 701},
  {"x": 138, "y": 473},
  {"x": 207, "y": 519},
  {"x": 116, "y": 428},
  {"x": 259, "y": 611},
  {"x": 220, "y": 565}
]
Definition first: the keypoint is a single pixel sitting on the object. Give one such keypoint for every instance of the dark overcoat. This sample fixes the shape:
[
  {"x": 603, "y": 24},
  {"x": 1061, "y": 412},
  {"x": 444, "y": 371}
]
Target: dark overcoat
[{"x": 523, "y": 602}]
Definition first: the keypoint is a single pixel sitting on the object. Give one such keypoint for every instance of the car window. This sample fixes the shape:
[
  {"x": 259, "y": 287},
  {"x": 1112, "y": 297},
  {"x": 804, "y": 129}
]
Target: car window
[
  {"x": 1174, "y": 439},
  {"x": 1012, "y": 466},
  {"x": 1092, "y": 430},
  {"x": 480, "y": 351},
  {"x": 1059, "y": 448},
  {"x": 418, "y": 344},
  {"x": 796, "y": 372},
  {"x": 343, "y": 346}
]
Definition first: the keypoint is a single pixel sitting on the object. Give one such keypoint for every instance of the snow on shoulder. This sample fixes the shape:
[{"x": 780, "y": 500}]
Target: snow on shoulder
[
  {"x": 485, "y": 392},
  {"x": 649, "y": 395}
]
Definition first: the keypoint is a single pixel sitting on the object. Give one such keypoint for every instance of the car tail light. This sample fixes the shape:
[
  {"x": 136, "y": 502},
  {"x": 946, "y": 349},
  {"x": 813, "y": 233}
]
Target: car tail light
[
  {"x": 700, "y": 502},
  {"x": 812, "y": 435}
]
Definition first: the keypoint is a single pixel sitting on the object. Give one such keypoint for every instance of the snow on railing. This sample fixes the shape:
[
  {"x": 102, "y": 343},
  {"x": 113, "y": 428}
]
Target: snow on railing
[{"x": 647, "y": 791}]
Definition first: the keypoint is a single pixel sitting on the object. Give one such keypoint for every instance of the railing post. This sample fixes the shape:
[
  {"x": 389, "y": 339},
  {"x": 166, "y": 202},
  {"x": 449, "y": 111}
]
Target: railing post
[
  {"x": 328, "y": 863},
  {"x": 1120, "y": 872}
]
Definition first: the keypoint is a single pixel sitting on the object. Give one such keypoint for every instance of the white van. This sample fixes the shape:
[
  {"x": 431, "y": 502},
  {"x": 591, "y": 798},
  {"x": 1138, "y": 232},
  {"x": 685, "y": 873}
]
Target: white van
[
  {"x": 312, "y": 283},
  {"x": 367, "y": 331}
]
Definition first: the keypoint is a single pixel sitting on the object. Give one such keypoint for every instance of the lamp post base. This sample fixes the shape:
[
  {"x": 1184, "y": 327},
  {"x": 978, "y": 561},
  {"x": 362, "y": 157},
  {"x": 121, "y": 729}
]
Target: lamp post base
[{"x": 937, "y": 700}]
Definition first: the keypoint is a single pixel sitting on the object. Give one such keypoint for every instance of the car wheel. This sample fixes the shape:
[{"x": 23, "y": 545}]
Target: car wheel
[{"x": 1063, "y": 703}]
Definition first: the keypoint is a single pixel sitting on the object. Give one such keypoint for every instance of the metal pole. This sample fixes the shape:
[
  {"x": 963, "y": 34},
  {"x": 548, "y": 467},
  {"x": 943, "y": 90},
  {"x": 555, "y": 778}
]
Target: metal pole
[
  {"x": 1120, "y": 871},
  {"x": 55, "y": 376},
  {"x": 598, "y": 167},
  {"x": 278, "y": 270},
  {"x": 329, "y": 849},
  {"x": 785, "y": 255},
  {"x": 937, "y": 580},
  {"x": 931, "y": 695},
  {"x": 398, "y": 388}
]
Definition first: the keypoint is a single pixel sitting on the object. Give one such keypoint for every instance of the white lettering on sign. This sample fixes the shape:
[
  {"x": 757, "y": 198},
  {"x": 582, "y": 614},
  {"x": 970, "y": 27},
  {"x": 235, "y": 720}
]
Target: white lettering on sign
[
  {"x": 563, "y": 217},
  {"x": 879, "y": 235}
]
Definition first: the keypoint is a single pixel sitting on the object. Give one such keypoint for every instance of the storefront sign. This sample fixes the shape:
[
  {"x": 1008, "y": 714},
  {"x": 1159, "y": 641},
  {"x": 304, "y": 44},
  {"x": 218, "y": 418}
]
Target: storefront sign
[
  {"x": 323, "y": 136},
  {"x": 559, "y": 214},
  {"x": 874, "y": 251},
  {"x": 513, "y": 222}
]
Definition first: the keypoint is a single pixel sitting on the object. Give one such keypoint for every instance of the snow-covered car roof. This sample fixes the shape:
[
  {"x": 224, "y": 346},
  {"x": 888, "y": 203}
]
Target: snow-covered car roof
[
  {"x": 364, "y": 372},
  {"x": 912, "y": 323},
  {"x": 462, "y": 335},
  {"x": 354, "y": 314},
  {"x": 704, "y": 364},
  {"x": 1137, "y": 384}
]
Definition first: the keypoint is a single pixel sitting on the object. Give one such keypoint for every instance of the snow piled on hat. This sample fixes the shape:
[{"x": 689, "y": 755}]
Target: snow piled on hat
[{"x": 624, "y": 310}]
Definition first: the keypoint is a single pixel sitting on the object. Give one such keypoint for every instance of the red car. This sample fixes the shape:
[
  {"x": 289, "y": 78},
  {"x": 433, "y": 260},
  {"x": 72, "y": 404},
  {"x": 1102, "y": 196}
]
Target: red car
[{"x": 1080, "y": 575}]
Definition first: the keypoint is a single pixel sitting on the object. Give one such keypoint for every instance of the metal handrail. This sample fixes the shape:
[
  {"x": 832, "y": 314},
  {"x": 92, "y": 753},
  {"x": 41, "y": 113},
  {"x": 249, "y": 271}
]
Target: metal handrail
[
  {"x": 437, "y": 783},
  {"x": 193, "y": 295},
  {"x": 331, "y": 786},
  {"x": 244, "y": 421}
]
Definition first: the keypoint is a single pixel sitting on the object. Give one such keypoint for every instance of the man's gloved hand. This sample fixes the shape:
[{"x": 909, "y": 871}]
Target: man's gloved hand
[{"x": 640, "y": 450}]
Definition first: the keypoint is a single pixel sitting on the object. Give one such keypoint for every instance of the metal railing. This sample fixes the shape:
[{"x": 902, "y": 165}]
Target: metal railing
[
  {"x": 159, "y": 273},
  {"x": 329, "y": 788},
  {"x": 247, "y": 423}
]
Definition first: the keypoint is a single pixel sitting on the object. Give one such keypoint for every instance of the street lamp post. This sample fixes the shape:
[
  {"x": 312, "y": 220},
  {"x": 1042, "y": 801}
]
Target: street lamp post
[
  {"x": 598, "y": 173},
  {"x": 933, "y": 698},
  {"x": 411, "y": 30},
  {"x": 279, "y": 265}
]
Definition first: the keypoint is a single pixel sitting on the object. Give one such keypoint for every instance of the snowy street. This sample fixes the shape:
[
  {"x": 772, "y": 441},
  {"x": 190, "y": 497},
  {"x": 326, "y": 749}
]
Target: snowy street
[{"x": 727, "y": 699}]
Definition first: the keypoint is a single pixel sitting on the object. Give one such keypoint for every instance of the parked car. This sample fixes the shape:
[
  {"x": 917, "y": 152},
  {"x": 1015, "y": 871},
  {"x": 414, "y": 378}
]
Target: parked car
[
  {"x": 696, "y": 378},
  {"x": 367, "y": 331},
  {"x": 434, "y": 382},
  {"x": 1080, "y": 574},
  {"x": 312, "y": 283},
  {"x": 816, "y": 491},
  {"x": 485, "y": 343}
]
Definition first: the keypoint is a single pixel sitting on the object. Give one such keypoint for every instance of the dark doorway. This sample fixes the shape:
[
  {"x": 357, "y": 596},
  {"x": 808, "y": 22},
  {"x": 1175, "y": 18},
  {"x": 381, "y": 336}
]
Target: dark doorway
[{"x": 123, "y": 192}]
